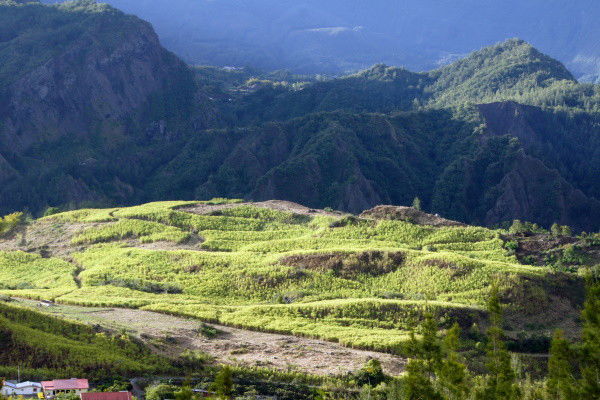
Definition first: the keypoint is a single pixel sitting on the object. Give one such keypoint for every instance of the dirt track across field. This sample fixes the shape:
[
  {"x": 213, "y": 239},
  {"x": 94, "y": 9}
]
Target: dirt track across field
[{"x": 171, "y": 335}]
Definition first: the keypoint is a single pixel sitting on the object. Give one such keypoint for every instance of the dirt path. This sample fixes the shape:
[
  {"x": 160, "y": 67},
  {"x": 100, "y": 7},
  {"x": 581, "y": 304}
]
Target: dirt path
[{"x": 172, "y": 335}]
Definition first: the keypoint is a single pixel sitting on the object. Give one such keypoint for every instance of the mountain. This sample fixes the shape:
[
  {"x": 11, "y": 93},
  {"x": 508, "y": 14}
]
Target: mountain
[
  {"x": 102, "y": 114},
  {"x": 81, "y": 88},
  {"x": 466, "y": 163},
  {"x": 339, "y": 36}
]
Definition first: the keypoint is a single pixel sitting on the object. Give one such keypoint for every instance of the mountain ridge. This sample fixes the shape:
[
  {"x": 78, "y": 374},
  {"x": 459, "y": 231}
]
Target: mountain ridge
[{"x": 154, "y": 129}]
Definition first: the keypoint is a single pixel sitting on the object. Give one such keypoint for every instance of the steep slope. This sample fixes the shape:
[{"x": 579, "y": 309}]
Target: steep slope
[
  {"x": 41, "y": 345},
  {"x": 505, "y": 69},
  {"x": 514, "y": 170},
  {"x": 103, "y": 115},
  {"x": 347, "y": 161},
  {"x": 81, "y": 85}
]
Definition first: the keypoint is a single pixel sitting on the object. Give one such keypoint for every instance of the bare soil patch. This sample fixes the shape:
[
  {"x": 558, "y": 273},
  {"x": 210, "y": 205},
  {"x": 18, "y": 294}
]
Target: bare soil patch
[
  {"x": 171, "y": 335},
  {"x": 408, "y": 214},
  {"x": 349, "y": 266},
  {"x": 47, "y": 238},
  {"x": 279, "y": 205}
]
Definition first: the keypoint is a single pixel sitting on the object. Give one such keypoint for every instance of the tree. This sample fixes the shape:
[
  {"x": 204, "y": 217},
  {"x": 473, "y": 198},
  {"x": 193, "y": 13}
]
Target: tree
[
  {"x": 420, "y": 373},
  {"x": 453, "y": 375},
  {"x": 371, "y": 374},
  {"x": 556, "y": 229},
  {"x": 517, "y": 227},
  {"x": 416, "y": 204},
  {"x": 186, "y": 393},
  {"x": 430, "y": 346},
  {"x": 11, "y": 221},
  {"x": 501, "y": 379},
  {"x": 418, "y": 385},
  {"x": 223, "y": 384},
  {"x": 590, "y": 366},
  {"x": 561, "y": 384},
  {"x": 566, "y": 230}
]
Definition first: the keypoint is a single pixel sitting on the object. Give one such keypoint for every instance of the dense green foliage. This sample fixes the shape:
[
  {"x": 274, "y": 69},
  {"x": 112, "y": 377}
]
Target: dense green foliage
[
  {"x": 238, "y": 133},
  {"x": 42, "y": 345},
  {"x": 362, "y": 282},
  {"x": 9, "y": 222},
  {"x": 433, "y": 143},
  {"x": 439, "y": 371}
]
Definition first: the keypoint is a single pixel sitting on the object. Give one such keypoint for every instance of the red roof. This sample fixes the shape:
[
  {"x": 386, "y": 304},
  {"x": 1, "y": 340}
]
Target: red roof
[
  {"x": 106, "y": 396},
  {"x": 66, "y": 384}
]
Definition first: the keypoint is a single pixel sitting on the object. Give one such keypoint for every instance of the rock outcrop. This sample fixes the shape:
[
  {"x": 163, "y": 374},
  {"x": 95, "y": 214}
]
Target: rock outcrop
[{"x": 80, "y": 91}]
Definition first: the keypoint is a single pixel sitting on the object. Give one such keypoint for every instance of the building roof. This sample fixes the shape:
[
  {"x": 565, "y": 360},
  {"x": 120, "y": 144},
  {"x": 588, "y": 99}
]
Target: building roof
[
  {"x": 66, "y": 384},
  {"x": 16, "y": 385},
  {"x": 107, "y": 396}
]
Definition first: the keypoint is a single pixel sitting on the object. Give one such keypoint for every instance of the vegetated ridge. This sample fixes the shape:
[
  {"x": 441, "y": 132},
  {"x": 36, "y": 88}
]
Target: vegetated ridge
[
  {"x": 279, "y": 267},
  {"x": 506, "y": 133}
]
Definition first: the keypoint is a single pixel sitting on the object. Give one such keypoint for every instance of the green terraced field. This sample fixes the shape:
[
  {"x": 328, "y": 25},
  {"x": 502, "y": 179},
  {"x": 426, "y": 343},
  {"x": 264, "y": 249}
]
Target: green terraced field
[{"x": 362, "y": 282}]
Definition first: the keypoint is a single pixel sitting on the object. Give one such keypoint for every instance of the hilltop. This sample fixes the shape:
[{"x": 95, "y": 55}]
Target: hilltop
[{"x": 280, "y": 267}]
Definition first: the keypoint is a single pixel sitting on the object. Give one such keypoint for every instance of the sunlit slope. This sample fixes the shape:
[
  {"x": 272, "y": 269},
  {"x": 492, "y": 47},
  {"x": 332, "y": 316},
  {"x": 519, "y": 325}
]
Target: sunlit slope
[
  {"x": 280, "y": 267},
  {"x": 40, "y": 345}
]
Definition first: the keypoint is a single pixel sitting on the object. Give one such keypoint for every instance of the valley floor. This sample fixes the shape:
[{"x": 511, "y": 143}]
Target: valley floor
[{"x": 171, "y": 335}]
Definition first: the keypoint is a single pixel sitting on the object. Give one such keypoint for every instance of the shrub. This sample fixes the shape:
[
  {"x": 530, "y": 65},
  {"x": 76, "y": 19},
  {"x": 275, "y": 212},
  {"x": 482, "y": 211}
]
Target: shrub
[{"x": 161, "y": 391}]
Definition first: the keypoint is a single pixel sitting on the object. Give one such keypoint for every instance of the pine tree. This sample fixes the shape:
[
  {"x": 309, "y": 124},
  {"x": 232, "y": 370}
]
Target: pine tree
[
  {"x": 561, "y": 384},
  {"x": 223, "y": 384},
  {"x": 453, "y": 376},
  {"x": 430, "y": 345},
  {"x": 420, "y": 373},
  {"x": 418, "y": 385},
  {"x": 501, "y": 380},
  {"x": 590, "y": 366},
  {"x": 416, "y": 204}
]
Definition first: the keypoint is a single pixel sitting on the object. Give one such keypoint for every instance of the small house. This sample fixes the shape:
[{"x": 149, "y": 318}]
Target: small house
[
  {"x": 73, "y": 385},
  {"x": 107, "y": 396},
  {"x": 26, "y": 389}
]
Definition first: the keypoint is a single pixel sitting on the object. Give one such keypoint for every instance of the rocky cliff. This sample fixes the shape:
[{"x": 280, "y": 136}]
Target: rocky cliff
[{"x": 81, "y": 87}]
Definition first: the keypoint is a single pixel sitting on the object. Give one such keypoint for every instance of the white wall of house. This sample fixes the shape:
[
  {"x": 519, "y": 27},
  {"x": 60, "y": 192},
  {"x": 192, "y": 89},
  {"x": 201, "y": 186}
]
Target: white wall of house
[{"x": 21, "y": 389}]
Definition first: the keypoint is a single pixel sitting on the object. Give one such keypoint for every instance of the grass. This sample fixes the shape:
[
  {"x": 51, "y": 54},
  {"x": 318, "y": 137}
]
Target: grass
[
  {"x": 145, "y": 231},
  {"x": 46, "y": 346},
  {"x": 360, "y": 282},
  {"x": 20, "y": 270}
]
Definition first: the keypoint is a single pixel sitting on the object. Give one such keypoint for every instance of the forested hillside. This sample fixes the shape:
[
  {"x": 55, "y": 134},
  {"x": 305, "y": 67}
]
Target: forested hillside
[
  {"x": 82, "y": 88},
  {"x": 481, "y": 164},
  {"x": 505, "y": 133}
]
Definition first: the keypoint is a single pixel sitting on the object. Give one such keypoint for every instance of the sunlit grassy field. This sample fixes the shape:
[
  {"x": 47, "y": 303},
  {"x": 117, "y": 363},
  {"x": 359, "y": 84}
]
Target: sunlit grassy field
[{"x": 361, "y": 282}]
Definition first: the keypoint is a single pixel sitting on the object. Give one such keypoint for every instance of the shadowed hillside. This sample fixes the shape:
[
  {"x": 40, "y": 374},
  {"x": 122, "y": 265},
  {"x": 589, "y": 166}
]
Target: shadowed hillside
[{"x": 103, "y": 115}]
